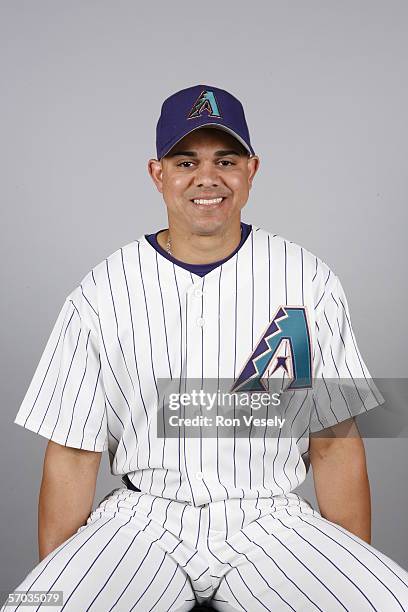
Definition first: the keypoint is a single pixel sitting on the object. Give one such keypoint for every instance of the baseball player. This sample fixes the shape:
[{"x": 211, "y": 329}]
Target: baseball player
[{"x": 205, "y": 518}]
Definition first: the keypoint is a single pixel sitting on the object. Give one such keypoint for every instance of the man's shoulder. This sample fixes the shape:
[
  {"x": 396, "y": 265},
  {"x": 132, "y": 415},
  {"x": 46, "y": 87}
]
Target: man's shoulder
[
  {"x": 118, "y": 257},
  {"x": 291, "y": 251},
  {"x": 105, "y": 271}
]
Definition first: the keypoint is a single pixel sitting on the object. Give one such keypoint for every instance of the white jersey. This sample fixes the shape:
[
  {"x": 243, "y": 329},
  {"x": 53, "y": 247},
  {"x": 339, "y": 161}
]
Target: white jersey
[{"x": 272, "y": 309}]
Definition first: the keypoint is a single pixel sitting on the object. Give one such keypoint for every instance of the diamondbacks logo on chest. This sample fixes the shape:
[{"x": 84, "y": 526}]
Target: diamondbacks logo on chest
[{"x": 290, "y": 326}]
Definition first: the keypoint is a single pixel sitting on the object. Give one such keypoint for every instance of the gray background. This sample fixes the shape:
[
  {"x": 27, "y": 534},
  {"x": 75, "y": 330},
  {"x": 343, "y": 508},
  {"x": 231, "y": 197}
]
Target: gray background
[{"x": 325, "y": 91}]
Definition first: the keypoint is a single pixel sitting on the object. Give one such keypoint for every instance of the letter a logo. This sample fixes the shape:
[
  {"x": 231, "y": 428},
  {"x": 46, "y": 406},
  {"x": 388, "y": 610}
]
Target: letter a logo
[
  {"x": 289, "y": 324},
  {"x": 205, "y": 101}
]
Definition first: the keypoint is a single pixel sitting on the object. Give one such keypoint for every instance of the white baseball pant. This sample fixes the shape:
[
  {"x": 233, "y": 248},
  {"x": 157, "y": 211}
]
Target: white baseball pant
[{"x": 145, "y": 553}]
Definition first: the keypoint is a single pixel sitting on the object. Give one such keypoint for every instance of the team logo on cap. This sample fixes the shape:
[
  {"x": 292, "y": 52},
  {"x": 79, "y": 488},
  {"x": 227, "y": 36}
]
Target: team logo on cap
[{"x": 205, "y": 102}]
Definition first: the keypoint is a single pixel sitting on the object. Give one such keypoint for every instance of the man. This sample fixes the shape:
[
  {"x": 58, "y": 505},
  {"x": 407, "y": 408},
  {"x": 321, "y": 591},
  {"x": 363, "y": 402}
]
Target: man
[{"x": 206, "y": 517}]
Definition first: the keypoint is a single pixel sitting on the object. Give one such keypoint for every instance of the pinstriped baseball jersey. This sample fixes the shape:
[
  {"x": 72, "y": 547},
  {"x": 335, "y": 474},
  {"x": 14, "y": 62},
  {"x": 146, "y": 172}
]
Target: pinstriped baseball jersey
[{"x": 272, "y": 309}]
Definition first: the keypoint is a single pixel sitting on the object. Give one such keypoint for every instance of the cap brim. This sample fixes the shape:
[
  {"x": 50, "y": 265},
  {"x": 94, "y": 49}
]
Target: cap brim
[{"x": 218, "y": 126}]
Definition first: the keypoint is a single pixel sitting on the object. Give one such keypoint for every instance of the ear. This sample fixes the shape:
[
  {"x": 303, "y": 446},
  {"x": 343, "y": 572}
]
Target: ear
[
  {"x": 253, "y": 166},
  {"x": 155, "y": 170}
]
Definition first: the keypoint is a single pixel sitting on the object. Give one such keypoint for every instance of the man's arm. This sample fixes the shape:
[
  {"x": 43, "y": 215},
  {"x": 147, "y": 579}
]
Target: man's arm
[
  {"x": 341, "y": 480},
  {"x": 66, "y": 494}
]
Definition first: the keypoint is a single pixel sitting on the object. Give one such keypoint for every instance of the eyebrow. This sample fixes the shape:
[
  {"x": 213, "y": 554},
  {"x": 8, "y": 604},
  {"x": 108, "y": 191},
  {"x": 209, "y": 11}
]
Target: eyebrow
[{"x": 221, "y": 153}]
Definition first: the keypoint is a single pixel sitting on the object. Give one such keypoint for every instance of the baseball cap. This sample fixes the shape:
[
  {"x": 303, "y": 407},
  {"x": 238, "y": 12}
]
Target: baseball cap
[{"x": 199, "y": 106}]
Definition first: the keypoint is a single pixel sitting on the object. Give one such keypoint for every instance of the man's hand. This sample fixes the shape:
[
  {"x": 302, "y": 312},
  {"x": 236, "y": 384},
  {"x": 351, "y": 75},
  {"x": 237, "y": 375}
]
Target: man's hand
[
  {"x": 66, "y": 494},
  {"x": 341, "y": 479}
]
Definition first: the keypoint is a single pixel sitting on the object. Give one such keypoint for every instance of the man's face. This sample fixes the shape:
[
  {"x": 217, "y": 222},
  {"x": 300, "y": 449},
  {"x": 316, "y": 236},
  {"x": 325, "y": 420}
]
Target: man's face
[{"x": 206, "y": 164}]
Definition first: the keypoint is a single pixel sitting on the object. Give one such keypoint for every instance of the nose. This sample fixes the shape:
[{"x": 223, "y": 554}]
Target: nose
[{"x": 206, "y": 175}]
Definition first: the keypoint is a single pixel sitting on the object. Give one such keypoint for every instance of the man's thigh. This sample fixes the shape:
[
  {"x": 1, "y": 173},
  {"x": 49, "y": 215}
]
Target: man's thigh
[
  {"x": 113, "y": 562},
  {"x": 300, "y": 561}
]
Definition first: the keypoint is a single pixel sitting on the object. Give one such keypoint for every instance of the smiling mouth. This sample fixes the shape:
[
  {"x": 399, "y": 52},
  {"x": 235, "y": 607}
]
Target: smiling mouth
[{"x": 207, "y": 202}]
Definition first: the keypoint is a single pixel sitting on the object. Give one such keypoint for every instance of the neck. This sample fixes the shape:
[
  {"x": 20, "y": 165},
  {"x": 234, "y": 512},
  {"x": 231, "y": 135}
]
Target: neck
[{"x": 197, "y": 248}]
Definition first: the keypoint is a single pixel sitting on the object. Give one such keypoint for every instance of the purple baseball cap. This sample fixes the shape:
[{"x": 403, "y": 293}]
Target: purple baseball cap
[{"x": 199, "y": 106}]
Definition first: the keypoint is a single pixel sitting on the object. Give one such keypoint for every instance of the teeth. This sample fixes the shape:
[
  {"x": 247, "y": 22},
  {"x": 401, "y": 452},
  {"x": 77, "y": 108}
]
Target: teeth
[{"x": 214, "y": 201}]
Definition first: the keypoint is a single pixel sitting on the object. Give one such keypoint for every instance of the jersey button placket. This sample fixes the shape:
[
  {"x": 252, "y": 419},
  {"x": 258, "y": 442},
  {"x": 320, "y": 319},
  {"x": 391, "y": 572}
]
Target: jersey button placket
[{"x": 195, "y": 331}]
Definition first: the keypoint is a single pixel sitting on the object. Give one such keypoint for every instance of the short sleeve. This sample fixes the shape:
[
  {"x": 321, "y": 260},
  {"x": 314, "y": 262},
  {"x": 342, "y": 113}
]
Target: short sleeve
[
  {"x": 342, "y": 386},
  {"x": 65, "y": 401}
]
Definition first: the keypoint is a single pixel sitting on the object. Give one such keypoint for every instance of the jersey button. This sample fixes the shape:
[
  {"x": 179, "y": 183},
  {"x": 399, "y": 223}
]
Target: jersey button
[
  {"x": 200, "y": 322},
  {"x": 198, "y": 292},
  {"x": 199, "y": 475}
]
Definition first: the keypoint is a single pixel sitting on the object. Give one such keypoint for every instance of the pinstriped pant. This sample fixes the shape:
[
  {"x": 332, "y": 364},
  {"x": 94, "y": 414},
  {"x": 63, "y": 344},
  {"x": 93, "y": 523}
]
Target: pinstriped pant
[{"x": 140, "y": 552}]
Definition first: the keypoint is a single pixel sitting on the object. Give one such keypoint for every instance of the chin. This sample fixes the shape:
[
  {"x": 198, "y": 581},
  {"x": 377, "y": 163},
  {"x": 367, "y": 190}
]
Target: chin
[{"x": 208, "y": 228}]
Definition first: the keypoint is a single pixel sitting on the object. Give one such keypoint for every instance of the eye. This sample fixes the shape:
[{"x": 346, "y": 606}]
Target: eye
[
  {"x": 184, "y": 162},
  {"x": 228, "y": 161}
]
